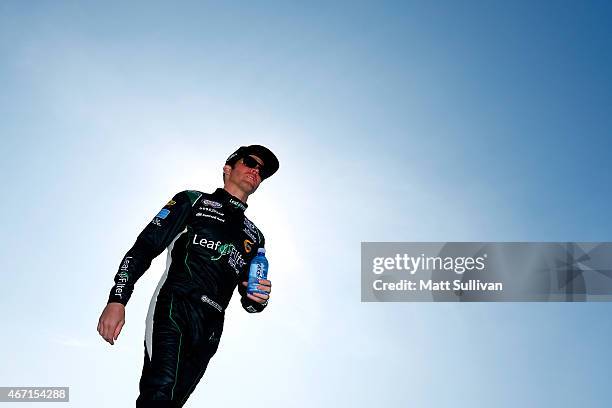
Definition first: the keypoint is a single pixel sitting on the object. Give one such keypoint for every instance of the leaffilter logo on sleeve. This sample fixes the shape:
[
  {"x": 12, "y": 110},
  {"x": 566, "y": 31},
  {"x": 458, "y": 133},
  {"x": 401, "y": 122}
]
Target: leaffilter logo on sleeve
[{"x": 123, "y": 277}]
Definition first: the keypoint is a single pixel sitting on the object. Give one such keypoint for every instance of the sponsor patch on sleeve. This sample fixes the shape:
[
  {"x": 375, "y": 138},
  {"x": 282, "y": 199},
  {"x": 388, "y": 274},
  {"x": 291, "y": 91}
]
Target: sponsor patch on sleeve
[{"x": 163, "y": 214}]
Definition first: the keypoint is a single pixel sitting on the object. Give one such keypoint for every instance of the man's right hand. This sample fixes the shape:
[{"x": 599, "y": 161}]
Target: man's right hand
[{"x": 111, "y": 321}]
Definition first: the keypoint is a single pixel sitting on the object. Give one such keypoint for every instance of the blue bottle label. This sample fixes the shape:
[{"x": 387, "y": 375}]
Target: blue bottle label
[{"x": 257, "y": 271}]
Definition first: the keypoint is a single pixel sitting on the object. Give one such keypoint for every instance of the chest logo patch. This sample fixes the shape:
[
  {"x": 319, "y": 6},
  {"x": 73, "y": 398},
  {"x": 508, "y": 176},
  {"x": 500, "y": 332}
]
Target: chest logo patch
[{"x": 213, "y": 204}]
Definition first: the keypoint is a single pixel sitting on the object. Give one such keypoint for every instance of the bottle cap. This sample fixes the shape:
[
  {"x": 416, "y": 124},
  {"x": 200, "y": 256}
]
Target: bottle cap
[{"x": 261, "y": 251}]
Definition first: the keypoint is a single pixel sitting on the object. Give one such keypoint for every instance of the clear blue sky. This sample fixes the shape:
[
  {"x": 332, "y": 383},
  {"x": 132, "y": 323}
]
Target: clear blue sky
[{"x": 393, "y": 121}]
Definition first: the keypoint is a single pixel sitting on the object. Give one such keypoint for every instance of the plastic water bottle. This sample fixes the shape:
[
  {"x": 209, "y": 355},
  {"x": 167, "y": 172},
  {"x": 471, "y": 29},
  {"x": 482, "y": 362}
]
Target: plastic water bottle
[{"x": 258, "y": 270}]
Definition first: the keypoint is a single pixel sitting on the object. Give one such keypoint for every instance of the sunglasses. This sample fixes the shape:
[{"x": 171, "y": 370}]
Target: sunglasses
[{"x": 251, "y": 163}]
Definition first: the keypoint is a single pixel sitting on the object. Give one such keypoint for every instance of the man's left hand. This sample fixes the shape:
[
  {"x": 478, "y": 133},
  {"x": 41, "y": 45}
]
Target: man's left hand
[{"x": 264, "y": 285}]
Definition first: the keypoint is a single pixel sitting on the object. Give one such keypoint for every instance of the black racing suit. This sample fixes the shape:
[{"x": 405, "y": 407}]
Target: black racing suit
[{"x": 210, "y": 246}]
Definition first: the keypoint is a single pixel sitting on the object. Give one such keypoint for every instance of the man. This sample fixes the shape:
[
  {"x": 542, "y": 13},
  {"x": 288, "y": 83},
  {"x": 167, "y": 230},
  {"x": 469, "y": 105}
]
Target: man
[{"x": 210, "y": 246}]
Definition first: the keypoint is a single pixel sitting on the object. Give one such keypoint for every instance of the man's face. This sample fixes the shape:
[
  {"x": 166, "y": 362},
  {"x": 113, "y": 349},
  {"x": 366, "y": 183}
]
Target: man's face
[{"x": 245, "y": 178}]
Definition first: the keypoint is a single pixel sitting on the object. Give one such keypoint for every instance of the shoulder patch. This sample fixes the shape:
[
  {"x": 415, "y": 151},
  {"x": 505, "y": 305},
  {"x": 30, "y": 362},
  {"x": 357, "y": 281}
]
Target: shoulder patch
[
  {"x": 251, "y": 228},
  {"x": 163, "y": 214},
  {"x": 193, "y": 196}
]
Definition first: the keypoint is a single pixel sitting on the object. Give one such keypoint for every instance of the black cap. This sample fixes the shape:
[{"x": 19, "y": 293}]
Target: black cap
[{"x": 270, "y": 162}]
